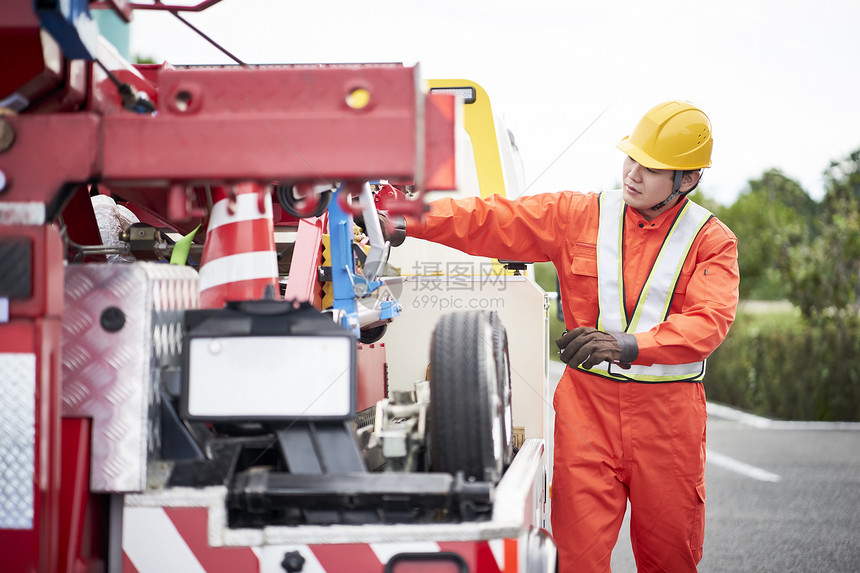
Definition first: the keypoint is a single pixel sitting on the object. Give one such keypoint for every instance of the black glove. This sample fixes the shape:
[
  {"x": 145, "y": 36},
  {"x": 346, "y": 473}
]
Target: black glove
[
  {"x": 588, "y": 347},
  {"x": 393, "y": 228}
]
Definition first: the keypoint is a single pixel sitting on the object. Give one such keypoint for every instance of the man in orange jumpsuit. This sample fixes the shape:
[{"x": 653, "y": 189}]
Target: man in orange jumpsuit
[{"x": 649, "y": 283}]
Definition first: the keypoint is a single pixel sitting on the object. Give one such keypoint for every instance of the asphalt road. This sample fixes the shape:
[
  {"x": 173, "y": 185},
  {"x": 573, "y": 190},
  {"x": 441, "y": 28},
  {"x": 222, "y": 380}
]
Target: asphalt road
[{"x": 781, "y": 497}]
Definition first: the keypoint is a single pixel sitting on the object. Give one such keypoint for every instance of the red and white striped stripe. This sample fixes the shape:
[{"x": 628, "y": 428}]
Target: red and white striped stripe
[
  {"x": 163, "y": 539},
  {"x": 175, "y": 539},
  {"x": 239, "y": 257}
]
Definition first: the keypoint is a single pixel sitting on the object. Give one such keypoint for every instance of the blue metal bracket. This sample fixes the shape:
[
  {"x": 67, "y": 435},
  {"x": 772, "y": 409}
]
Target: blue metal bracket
[{"x": 348, "y": 285}]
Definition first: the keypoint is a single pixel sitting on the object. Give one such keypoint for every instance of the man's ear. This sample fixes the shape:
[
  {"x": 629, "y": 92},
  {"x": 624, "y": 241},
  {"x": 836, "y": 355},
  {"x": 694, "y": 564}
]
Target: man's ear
[{"x": 689, "y": 180}]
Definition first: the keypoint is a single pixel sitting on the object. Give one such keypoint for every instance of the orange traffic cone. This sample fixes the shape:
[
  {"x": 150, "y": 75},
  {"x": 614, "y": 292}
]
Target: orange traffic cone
[{"x": 239, "y": 257}]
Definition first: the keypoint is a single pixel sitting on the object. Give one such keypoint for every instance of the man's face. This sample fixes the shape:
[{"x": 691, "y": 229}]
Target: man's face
[{"x": 644, "y": 187}]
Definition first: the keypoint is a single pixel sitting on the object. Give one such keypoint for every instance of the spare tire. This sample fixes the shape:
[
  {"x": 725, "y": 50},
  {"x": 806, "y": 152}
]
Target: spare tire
[
  {"x": 469, "y": 374},
  {"x": 503, "y": 373}
]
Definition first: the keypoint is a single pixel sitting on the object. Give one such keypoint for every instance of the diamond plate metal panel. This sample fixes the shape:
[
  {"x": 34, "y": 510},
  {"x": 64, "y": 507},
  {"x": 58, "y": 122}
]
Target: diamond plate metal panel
[
  {"x": 17, "y": 439},
  {"x": 121, "y": 325}
]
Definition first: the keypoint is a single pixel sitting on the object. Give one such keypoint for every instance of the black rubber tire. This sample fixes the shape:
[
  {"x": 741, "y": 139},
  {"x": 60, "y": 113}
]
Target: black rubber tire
[
  {"x": 302, "y": 207},
  {"x": 466, "y": 402},
  {"x": 503, "y": 374},
  {"x": 372, "y": 334}
]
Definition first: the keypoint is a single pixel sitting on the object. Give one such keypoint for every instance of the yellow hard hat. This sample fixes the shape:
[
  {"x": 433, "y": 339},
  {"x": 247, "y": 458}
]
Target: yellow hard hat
[{"x": 672, "y": 135}]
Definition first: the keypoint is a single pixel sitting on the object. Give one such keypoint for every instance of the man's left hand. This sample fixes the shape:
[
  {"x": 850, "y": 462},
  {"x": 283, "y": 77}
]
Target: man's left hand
[{"x": 588, "y": 347}]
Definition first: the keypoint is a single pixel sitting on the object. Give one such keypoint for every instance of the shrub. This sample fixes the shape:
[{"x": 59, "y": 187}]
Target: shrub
[{"x": 785, "y": 368}]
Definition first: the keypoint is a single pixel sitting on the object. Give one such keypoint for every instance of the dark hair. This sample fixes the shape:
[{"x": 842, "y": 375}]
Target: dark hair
[{"x": 701, "y": 173}]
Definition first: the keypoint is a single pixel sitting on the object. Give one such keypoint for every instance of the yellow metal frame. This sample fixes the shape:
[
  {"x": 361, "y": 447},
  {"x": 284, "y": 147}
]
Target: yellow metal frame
[{"x": 481, "y": 126}]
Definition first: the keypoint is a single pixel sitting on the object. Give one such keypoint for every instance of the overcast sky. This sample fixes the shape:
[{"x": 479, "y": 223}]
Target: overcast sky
[{"x": 780, "y": 79}]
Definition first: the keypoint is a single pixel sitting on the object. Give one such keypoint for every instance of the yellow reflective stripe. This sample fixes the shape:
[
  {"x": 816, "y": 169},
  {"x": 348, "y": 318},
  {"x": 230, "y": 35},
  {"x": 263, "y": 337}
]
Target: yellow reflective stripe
[
  {"x": 692, "y": 372},
  {"x": 667, "y": 268},
  {"x": 646, "y": 289},
  {"x": 655, "y": 299}
]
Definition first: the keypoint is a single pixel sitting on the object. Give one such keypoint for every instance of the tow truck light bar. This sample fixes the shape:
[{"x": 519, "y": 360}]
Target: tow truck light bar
[{"x": 467, "y": 94}]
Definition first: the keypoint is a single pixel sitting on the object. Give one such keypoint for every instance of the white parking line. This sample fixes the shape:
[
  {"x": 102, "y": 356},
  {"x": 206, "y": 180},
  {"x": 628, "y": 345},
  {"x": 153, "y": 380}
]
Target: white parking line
[
  {"x": 740, "y": 467},
  {"x": 720, "y": 411}
]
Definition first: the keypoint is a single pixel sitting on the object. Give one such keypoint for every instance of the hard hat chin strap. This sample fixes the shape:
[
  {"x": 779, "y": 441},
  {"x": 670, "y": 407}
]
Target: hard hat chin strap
[{"x": 676, "y": 190}]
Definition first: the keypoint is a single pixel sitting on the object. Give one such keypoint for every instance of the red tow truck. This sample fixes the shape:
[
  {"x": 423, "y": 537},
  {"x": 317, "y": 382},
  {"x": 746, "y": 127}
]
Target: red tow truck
[{"x": 206, "y": 366}]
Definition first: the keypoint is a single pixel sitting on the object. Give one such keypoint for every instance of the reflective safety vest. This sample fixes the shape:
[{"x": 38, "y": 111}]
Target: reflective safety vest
[{"x": 654, "y": 302}]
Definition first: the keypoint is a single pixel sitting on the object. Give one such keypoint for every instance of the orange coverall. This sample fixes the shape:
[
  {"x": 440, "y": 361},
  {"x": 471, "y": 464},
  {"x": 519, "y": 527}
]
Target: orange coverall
[{"x": 615, "y": 440}]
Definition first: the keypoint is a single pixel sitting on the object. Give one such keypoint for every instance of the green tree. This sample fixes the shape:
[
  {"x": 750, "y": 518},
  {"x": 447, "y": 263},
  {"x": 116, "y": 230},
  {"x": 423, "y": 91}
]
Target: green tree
[
  {"x": 824, "y": 274},
  {"x": 711, "y": 205},
  {"x": 770, "y": 218}
]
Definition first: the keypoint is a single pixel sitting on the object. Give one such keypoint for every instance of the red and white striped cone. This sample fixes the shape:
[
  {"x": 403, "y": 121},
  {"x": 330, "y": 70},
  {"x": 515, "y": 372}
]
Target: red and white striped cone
[{"x": 239, "y": 257}]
